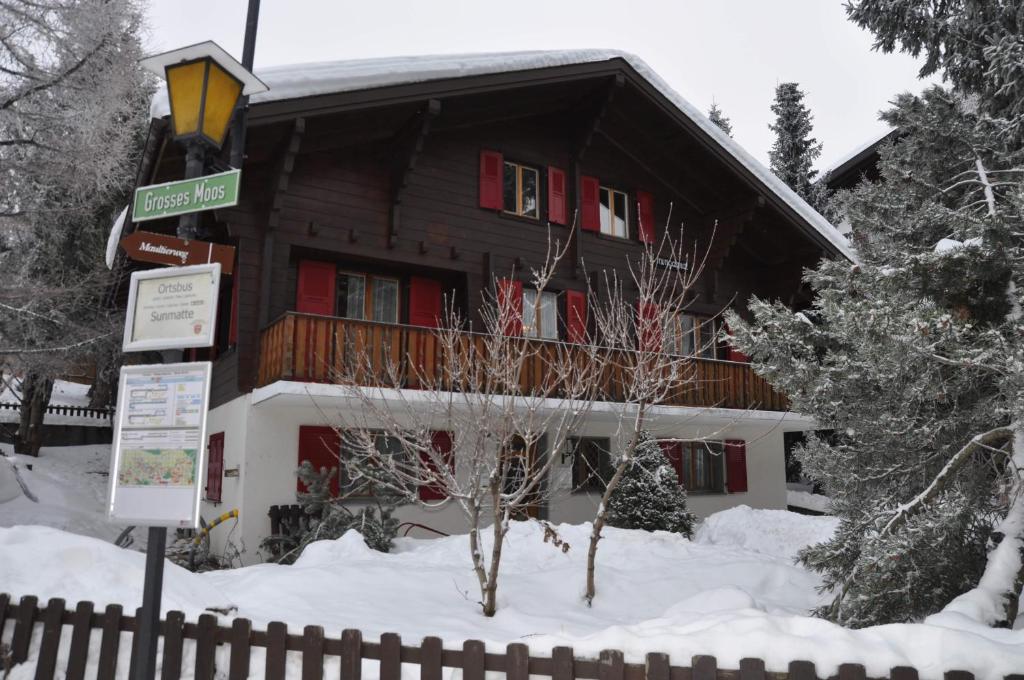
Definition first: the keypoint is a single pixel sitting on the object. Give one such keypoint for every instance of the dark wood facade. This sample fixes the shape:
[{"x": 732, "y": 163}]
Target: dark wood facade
[{"x": 386, "y": 181}]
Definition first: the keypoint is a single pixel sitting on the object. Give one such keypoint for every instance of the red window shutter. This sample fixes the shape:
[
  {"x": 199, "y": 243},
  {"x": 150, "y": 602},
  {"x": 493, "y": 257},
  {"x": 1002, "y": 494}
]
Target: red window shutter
[
  {"x": 321, "y": 446},
  {"x": 590, "y": 203},
  {"x": 233, "y": 323},
  {"x": 492, "y": 170},
  {"x": 424, "y": 302},
  {"x": 215, "y": 467},
  {"x": 733, "y": 354},
  {"x": 736, "y": 464},
  {"x": 314, "y": 293},
  {"x": 442, "y": 443},
  {"x": 575, "y": 316},
  {"x": 645, "y": 212},
  {"x": 648, "y": 327},
  {"x": 557, "y": 206},
  {"x": 674, "y": 452},
  {"x": 510, "y": 306}
]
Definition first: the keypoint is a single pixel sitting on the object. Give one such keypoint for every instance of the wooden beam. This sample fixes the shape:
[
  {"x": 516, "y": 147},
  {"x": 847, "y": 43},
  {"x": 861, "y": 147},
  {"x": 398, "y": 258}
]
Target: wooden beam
[
  {"x": 615, "y": 84},
  {"x": 672, "y": 186},
  {"x": 408, "y": 145},
  {"x": 278, "y": 189}
]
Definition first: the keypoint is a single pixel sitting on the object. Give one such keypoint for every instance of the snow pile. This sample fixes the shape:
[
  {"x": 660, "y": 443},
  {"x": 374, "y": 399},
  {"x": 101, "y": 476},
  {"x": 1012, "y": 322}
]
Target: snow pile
[
  {"x": 778, "y": 533},
  {"x": 732, "y": 593},
  {"x": 306, "y": 80},
  {"x": 950, "y": 245},
  {"x": 808, "y": 501},
  {"x": 67, "y": 487}
]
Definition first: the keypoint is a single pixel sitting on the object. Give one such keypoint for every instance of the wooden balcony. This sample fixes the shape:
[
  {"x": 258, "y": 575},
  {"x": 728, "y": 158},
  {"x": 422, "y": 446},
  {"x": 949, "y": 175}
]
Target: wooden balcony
[{"x": 311, "y": 348}]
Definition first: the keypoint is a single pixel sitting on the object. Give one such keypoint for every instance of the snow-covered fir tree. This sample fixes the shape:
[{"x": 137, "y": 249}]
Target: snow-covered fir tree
[
  {"x": 913, "y": 357},
  {"x": 649, "y": 495},
  {"x": 794, "y": 150},
  {"x": 716, "y": 116}
]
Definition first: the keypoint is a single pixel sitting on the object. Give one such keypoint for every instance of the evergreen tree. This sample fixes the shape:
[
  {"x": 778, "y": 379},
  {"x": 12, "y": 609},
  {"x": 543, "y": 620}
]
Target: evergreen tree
[
  {"x": 794, "y": 151},
  {"x": 649, "y": 495},
  {"x": 716, "y": 116},
  {"x": 913, "y": 357}
]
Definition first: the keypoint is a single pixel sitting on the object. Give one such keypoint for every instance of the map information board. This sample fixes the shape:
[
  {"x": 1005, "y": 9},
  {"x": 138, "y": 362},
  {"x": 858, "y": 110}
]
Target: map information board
[{"x": 158, "y": 455}]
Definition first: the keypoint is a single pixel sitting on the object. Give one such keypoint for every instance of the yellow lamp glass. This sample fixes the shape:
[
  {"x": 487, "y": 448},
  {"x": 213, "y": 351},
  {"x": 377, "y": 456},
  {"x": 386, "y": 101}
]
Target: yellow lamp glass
[
  {"x": 185, "y": 89},
  {"x": 203, "y": 97},
  {"x": 222, "y": 92}
]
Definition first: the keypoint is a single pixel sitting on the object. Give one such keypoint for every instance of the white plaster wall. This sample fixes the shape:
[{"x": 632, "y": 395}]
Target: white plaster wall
[
  {"x": 262, "y": 441},
  {"x": 231, "y": 419}
]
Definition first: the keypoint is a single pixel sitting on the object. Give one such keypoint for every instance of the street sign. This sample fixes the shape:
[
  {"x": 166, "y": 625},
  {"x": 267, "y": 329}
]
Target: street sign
[
  {"x": 186, "y": 196},
  {"x": 159, "y": 454},
  {"x": 146, "y": 246},
  {"x": 172, "y": 308}
]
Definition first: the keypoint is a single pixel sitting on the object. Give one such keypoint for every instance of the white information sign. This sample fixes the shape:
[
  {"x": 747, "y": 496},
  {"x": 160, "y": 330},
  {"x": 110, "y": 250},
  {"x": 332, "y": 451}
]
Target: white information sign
[
  {"x": 172, "y": 308},
  {"x": 159, "y": 456}
]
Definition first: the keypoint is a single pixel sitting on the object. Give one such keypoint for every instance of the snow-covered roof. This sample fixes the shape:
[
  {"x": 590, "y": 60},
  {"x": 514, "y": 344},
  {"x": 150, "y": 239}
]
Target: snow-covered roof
[
  {"x": 306, "y": 80},
  {"x": 857, "y": 153}
]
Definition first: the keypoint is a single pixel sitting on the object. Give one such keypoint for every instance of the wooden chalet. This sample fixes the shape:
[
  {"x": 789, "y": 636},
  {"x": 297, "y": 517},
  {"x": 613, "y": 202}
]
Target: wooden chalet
[{"x": 370, "y": 189}]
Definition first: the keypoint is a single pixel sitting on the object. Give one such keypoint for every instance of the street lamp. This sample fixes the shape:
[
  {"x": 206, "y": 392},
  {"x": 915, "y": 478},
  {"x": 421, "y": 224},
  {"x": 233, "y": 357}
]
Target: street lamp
[{"x": 203, "y": 86}]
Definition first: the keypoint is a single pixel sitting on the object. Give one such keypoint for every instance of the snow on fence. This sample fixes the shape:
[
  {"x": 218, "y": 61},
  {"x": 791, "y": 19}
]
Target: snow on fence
[
  {"x": 39, "y": 630},
  {"x": 60, "y": 410}
]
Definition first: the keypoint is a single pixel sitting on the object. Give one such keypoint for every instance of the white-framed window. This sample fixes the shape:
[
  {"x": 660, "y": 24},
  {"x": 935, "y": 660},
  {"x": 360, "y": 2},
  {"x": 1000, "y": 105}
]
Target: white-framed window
[
  {"x": 540, "y": 314},
  {"x": 365, "y": 485},
  {"x": 591, "y": 462},
  {"x": 614, "y": 213},
  {"x": 691, "y": 335},
  {"x": 362, "y": 296},
  {"x": 521, "y": 190}
]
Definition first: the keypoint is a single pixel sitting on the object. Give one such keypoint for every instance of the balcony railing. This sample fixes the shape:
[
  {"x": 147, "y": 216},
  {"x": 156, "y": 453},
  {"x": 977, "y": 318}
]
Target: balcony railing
[{"x": 311, "y": 348}]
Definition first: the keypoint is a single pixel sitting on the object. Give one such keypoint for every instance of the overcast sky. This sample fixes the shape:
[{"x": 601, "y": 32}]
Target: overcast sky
[{"x": 732, "y": 52}]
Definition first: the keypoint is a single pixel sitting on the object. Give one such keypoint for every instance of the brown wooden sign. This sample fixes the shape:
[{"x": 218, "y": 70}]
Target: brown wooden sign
[{"x": 146, "y": 246}]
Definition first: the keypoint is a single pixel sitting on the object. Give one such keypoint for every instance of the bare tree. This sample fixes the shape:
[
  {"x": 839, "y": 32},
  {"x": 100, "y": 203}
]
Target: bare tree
[
  {"x": 506, "y": 403},
  {"x": 645, "y": 350}
]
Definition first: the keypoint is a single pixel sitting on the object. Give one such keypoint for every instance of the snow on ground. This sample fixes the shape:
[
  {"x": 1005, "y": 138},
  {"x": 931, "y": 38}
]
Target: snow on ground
[
  {"x": 65, "y": 393},
  {"x": 809, "y": 501},
  {"x": 69, "y": 484},
  {"x": 732, "y": 592}
]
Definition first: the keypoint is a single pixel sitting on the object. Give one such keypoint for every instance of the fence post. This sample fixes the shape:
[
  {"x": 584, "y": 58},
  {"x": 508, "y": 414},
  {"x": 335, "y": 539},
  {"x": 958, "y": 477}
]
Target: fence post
[
  {"x": 174, "y": 638},
  {"x": 277, "y": 646},
  {"x": 351, "y": 654},
  {"x": 111, "y": 640},
  {"x": 206, "y": 646},
  {"x": 23, "y": 624},
  {"x": 312, "y": 653},
  {"x": 517, "y": 661},
  {"x": 851, "y": 671},
  {"x": 53, "y": 626},
  {"x": 704, "y": 667},
  {"x": 657, "y": 667},
  {"x": 801, "y": 670},
  {"x": 612, "y": 665},
  {"x": 563, "y": 664},
  {"x": 473, "y": 660},
  {"x": 431, "y": 650},
  {"x": 390, "y": 657},
  {"x": 241, "y": 632},
  {"x": 752, "y": 669},
  {"x": 81, "y": 631}
]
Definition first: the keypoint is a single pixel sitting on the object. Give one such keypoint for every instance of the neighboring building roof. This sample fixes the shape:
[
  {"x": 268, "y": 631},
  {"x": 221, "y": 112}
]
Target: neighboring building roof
[
  {"x": 307, "y": 80},
  {"x": 848, "y": 170}
]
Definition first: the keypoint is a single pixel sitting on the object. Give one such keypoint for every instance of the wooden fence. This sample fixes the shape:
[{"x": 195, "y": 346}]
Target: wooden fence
[
  {"x": 59, "y": 410},
  {"x": 313, "y": 647}
]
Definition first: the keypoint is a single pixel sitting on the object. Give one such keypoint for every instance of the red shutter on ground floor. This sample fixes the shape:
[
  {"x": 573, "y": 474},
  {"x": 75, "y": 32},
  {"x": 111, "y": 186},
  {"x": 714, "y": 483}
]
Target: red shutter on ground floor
[
  {"x": 590, "y": 203},
  {"x": 510, "y": 306},
  {"x": 321, "y": 446},
  {"x": 424, "y": 302},
  {"x": 575, "y": 316},
  {"x": 314, "y": 292},
  {"x": 648, "y": 327},
  {"x": 674, "y": 452},
  {"x": 492, "y": 169},
  {"x": 736, "y": 465},
  {"x": 442, "y": 443},
  {"x": 645, "y": 214},
  {"x": 558, "y": 212},
  {"x": 215, "y": 467}
]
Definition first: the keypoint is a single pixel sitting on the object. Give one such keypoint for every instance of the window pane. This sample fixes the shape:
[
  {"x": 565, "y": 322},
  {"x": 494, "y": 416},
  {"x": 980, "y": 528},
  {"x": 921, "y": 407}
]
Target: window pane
[
  {"x": 548, "y": 316},
  {"x": 509, "y": 187},
  {"x": 621, "y": 215},
  {"x": 591, "y": 463},
  {"x": 708, "y": 343},
  {"x": 606, "y": 211},
  {"x": 528, "y": 316},
  {"x": 529, "y": 192},
  {"x": 687, "y": 479},
  {"x": 687, "y": 330},
  {"x": 351, "y": 296},
  {"x": 385, "y": 300}
]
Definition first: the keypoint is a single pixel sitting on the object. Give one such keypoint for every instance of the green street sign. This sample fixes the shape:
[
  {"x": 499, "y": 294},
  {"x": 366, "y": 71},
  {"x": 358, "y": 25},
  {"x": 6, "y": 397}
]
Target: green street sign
[{"x": 186, "y": 196}]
